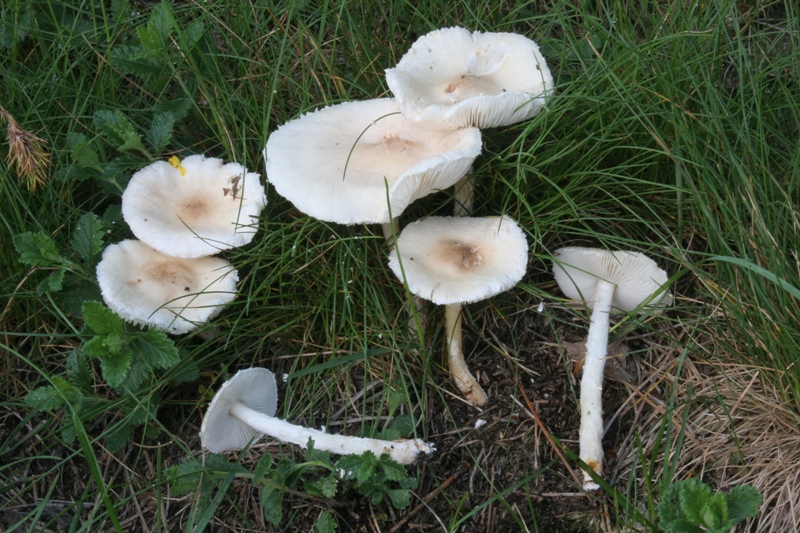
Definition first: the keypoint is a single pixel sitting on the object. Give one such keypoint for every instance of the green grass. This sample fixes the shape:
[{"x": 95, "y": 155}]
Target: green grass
[{"x": 674, "y": 131}]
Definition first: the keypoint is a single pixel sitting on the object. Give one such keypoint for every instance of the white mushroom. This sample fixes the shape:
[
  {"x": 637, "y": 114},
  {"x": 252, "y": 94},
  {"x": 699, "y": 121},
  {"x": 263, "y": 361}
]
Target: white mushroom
[
  {"x": 244, "y": 408},
  {"x": 607, "y": 282},
  {"x": 335, "y": 164},
  {"x": 453, "y": 77},
  {"x": 149, "y": 288},
  {"x": 451, "y": 261},
  {"x": 195, "y": 207}
]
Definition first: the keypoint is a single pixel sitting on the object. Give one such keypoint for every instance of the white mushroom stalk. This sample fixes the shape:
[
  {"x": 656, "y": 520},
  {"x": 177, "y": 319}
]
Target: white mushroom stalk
[
  {"x": 451, "y": 261},
  {"x": 243, "y": 409},
  {"x": 335, "y": 164},
  {"x": 453, "y": 77},
  {"x": 607, "y": 282}
]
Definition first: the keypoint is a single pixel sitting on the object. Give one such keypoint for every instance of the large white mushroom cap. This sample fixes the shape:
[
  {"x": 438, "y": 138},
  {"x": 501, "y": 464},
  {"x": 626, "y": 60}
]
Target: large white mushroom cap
[
  {"x": 450, "y": 260},
  {"x": 149, "y": 288},
  {"x": 335, "y": 164},
  {"x": 198, "y": 207},
  {"x": 453, "y": 77},
  {"x": 635, "y": 276},
  {"x": 254, "y": 387}
]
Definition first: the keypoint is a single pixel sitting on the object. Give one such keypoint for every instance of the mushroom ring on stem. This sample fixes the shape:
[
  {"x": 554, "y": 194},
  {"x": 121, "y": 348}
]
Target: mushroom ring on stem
[
  {"x": 244, "y": 408},
  {"x": 455, "y": 260},
  {"x": 607, "y": 282},
  {"x": 334, "y": 164}
]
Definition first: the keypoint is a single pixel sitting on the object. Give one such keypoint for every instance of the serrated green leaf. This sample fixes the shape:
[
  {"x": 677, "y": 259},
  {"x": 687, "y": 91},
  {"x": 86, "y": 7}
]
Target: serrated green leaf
[
  {"x": 138, "y": 375},
  {"x": 79, "y": 373},
  {"x": 136, "y": 60},
  {"x": 263, "y": 467},
  {"x": 347, "y": 467},
  {"x": 101, "y": 319},
  {"x": 400, "y": 498},
  {"x": 715, "y": 512},
  {"x": 315, "y": 455},
  {"x": 52, "y": 283},
  {"x": 46, "y": 398},
  {"x": 367, "y": 468},
  {"x": 325, "y": 487},
  {"x": 393, "y": 470},
  {"x": 117, "y": 436},
  {"x": 179, "y": 108},
  {"x": 82, "y": 153},
  {"x": 160, "y": 132},
  {"x": 743, "y": 502},
  {"x": 156, "y": 349},
  {"x": 325, "y": 523},
  {"x": 15, "y": 29},
  {"x": 139, "y": 410},
  {"x": 191, "y": 35},
  {"x": 36, "y": 248},
  {"x": 96, "y": 347},
  {"x": 119, "y": 131},
  {"x": 693, "y": 495},
  {"x": 87, "y": 239},
  {"x": 155, "y": 36},
  {"x": 271, "y": 501},
  {"x": 116, "y": 343},
  {"x": 115, "y": 367},
  {"x": 186, "y": 476}
]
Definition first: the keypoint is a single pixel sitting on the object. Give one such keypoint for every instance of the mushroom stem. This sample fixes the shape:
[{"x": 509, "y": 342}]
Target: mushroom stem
[
  {"x": 464, "y": 195},
  {"x": 591, "y": 432},
  {"x": 403, "y": 451},
  {"x": 466, "y": 382}
]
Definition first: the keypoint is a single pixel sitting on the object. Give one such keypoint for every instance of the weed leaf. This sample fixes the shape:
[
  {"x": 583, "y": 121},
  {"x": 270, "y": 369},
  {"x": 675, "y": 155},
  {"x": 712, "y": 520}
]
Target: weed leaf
[
  {"x": 160, "y": 132},
  {"x": 36, "y": 248},
  {"x": 87, "y": 239},
  {"x": 101, "y": 319}
]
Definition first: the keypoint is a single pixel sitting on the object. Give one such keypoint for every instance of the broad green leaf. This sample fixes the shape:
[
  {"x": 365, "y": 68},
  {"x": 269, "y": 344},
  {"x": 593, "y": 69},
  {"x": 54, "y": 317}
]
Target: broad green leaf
[
  {"x": 138, "y": 375},
  {"x": 156, "y": 349},
  {"x": 115, "y": 367},
  {"x": 155, "y": 36},
  {"x": 139, "y": 410},
  {"x": 262, "y": 468},
  {"x": 82, "y": 153},
  {"x": 715, "y": 512},
  {"x": 52, "y": 283},
  {"x": 36, "y": 248},
  {"x": 118, "y": 435},
  {"x": 101, "y": 319},
  {"x": 393, "y": 470},
  {"x": 186, "y": 476},
  {"x": 46, "y": 398},
  {"x": 191, "y": 36},
  {"x": 136, "y": 60},
  {"x": 271, "y": 500},
  {"x": 743, "y": 502},
  {"x": 87, "y": 239},
  {"x": 315, "y": 455},
  {"x": 367, "y": 468},
  {"x": 96, "y": 347},
  {"x": 179, "y": 108},
  {"x": 400, "y": 498},
  {"x": 160, "y": 132},
  {"x": 15, "y": 29},
  {"x": 119, "y": 131},
  {"x": 325, "y": 523},
  {"x": 347, "y": 467},
  {"x": 325, "y": 486},
  {"x": 694, "y": 495}
]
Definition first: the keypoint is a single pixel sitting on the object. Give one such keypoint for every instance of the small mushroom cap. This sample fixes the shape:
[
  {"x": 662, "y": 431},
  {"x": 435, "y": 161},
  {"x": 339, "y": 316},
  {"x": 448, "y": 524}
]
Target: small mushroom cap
[
  {"x": 254, "y": 387},
  {"x": 453, "y": 77},
  {"x": 149, "y": 288},
  {"x": 635, "y": 276},
  {"x": 335, "y": 164},
  {"x": 198, "y": 208},
  {"x": 450, "y": 260}
]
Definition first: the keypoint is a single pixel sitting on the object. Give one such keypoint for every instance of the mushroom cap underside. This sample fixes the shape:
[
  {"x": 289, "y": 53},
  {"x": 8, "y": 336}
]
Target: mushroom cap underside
[
  {"x": 636, "y": 277},
  {"x": 254, "y": 387}
]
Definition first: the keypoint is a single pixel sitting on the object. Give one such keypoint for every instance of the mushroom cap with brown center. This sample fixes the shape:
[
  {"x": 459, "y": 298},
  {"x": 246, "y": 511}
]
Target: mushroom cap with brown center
[
  {"x": 451, "y": 260},
  {"x": 335, "y": 164},
  {"x": 197, "y": 210},
  {"x": 453, "y": 77},
  {"x": 149, "y": 288}
]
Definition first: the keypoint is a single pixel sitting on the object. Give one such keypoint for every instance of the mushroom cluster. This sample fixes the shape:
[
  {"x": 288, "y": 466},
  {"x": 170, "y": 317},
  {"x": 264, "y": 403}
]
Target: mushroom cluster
[{"x": 182, "y": 212}]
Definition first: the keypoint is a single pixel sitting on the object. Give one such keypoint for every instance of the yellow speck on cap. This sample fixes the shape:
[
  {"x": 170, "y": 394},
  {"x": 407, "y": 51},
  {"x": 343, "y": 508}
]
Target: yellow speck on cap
[{"x": 175, "y": 162}]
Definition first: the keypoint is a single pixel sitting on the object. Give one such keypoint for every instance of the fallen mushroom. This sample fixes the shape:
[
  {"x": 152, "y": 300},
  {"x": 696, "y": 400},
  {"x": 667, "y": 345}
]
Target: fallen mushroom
[
  {"x": 456, "y": 260},
  {"x": 607, "y": 282},
  {"x": 148, "y": 288},
  {"x": 194, "y": 207},
  {"x": 335, "y": 164},
  {"x": 452, "y": 77},
  {"x": 244, "y": 408}
]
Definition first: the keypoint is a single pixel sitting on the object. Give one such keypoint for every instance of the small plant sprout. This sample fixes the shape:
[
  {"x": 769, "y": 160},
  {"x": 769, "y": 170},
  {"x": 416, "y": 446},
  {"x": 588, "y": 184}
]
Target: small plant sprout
[
  {"x": 607, "y": 282},
  {"x": 244, "y": 408},
  {"x": 148, "y": 288},
  {"x": 334, "y": 164},
  {"x": 193, "y": 207},
  {"x": 456, "y": 260},
  {"x": 452, "y": 77}
]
